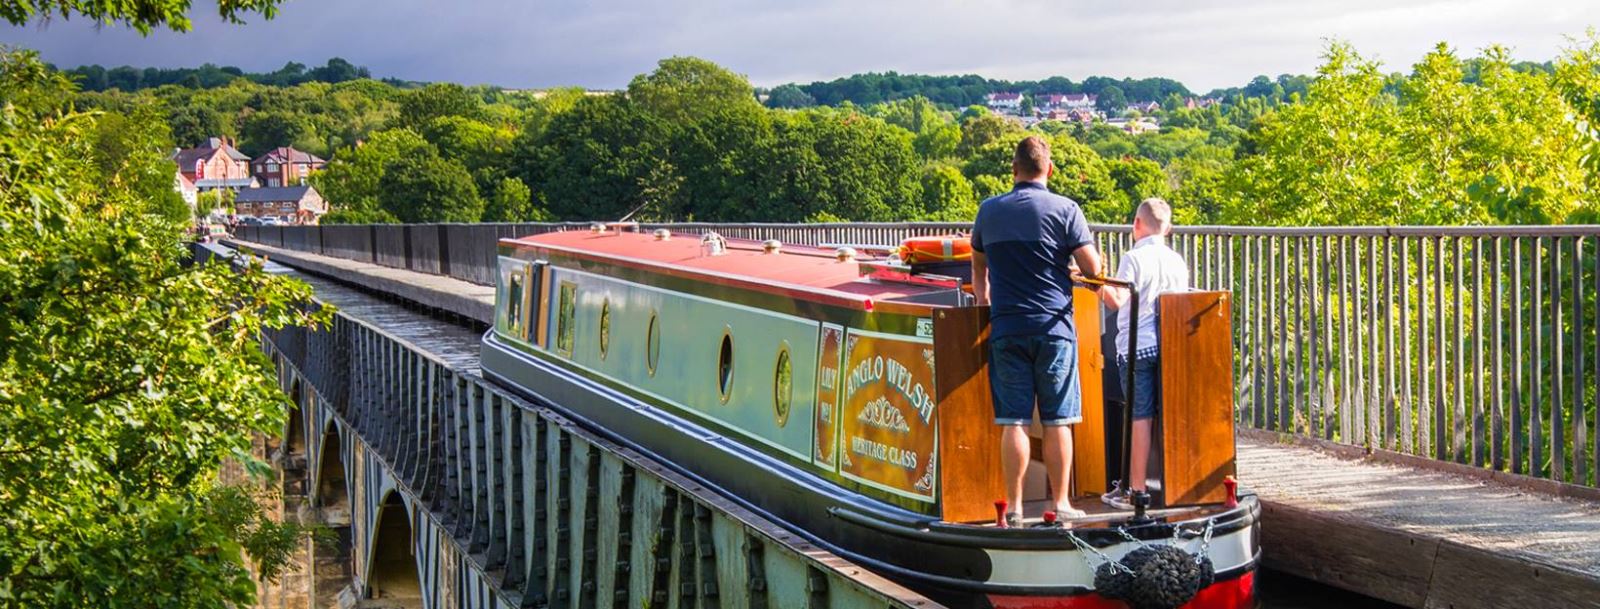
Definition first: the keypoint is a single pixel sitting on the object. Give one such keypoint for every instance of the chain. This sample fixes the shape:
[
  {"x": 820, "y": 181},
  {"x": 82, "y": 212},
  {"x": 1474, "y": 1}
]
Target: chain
[
  {"x": 1126, "y": 536},
  {"x": 1085, "y": 550},
  {"x": 1205, "y": 541}
]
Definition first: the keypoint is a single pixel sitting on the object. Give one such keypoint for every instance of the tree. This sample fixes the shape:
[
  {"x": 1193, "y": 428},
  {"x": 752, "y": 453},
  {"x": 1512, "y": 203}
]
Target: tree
[
  {"x": 947, "y": 196},
  {"x": 686, "y": 89},
  {"x": 600, "y": 160},
  {"x": 479, "y": 147},
  {"x": 129, "y": 374},
  {"x": 978, "y": 131},
  {"x": 429, "y": 188},
  {"x": 1111, "y": 100},
  {"x": 350, "y": 183},
  {"x": 1138, "y": 179},
  {"x": 142, "y": 16},
  {"x": 513, "y": 202},
  {"x": 192, "y": 124},
  {"x": 869, "y": 171},
  {"x": 420, "y": 107},
  {"x": 721, "y": 162},
  {"x": 263, "y": 131},
  {"x": 551, "y": 103},
  {"x": 789, "y": 96},
  {"x": 1431, "y": 149}
]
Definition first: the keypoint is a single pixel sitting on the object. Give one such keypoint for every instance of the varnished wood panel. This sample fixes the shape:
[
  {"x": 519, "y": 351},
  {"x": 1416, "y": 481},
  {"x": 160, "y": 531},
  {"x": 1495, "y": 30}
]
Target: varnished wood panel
[
  {"x": 969, "y": 442},
  {"x": 1196, "y": 396},
  {"x": 1088, "y": 437},
  {"x": 541, "y": 306}
]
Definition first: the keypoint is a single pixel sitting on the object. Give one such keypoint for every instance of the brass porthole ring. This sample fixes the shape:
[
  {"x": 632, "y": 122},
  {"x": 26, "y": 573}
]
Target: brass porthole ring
[
  {"x": 652, "y": 344},
  {"x": 605, "y": 328},
  {"x": 782, "y": 385},
  {"x": 725, "y": 365}
]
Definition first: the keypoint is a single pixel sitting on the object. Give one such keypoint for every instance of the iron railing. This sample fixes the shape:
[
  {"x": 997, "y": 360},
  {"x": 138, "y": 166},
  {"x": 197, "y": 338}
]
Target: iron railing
[{"x": 1475, "y": 345}]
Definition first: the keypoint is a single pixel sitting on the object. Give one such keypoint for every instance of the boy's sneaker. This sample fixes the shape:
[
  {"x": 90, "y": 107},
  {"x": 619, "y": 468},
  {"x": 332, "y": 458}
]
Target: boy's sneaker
[
  {"x": 1117, "y": 498},
  {"x": 1013, "y": 520}
]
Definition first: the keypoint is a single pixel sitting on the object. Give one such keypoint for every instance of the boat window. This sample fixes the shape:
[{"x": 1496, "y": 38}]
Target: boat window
[
  {"x": 605, "y": 327},
  {"x": 652, "y": 345},
  {"x": 782, "y": 386},
  {"x": 566, "y": 308},
  {"x": 514, "y": 303},
  {"x": 725, "y": 365}
]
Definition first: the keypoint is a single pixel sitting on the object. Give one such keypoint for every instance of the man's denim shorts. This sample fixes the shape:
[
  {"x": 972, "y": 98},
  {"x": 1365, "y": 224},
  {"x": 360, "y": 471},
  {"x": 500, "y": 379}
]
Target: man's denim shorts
[
  {"x": 1146, "y": 384},
  {"x": 1024, "y": 370}
]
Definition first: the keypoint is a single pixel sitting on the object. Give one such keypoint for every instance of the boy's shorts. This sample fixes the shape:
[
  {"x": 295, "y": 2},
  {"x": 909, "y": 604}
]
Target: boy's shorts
[
  {"x": 1146, "y": 383},
  {"x": 1025, "y": 370}
]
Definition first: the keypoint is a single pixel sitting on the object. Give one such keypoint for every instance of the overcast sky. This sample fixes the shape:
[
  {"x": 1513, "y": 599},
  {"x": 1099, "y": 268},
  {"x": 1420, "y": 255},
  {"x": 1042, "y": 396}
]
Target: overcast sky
[{"x": 602, "y": 44}]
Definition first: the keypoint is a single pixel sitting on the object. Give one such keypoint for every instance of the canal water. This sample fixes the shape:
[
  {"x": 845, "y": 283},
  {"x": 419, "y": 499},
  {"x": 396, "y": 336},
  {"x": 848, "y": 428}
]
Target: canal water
[{"x": 1283, "y": 591}]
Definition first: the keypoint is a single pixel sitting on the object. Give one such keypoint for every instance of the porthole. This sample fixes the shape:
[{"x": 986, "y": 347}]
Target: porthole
[
  {"x": 782, "y": 386},
  {"x": 725, "y": 365},
  {"x": 605, "y": 328},
  {"x": 652, "y": 345}
]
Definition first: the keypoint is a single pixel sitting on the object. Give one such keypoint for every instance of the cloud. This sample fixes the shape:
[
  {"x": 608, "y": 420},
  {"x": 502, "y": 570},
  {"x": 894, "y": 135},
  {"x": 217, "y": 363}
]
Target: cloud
[{"x": 540, "y": 43}]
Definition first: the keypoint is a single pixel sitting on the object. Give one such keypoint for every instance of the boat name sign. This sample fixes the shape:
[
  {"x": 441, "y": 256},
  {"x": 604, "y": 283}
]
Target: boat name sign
[{"x": 886, "y": 414}]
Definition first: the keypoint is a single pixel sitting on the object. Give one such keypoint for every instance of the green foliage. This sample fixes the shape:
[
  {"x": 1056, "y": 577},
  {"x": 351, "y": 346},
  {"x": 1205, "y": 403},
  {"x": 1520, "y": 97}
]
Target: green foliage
[
  {"x": 1111, "y": 101},
  {"x": 109, "y": 495},
  {"x": 979, "y": 131},
  {"x": 143, "y": 16},
  {"x": 1137, "y": 179},
  {"x": 513, "y": 202},
  {"x": 687, "y": 89},
  {"x": 551, "y": 103},
  {"x": 421, "y": 107},
  {"x": 263, "y": 131},
  {"x": 789, "y": 96},
  {"x": 429, "y": 188},
  {"x": 964, "y": 90},
  {"x": 1472, "y": 140},
  {"x": 351, "y": 180},
  {"x": 600, "y": 160},
  {"x": 947, "y": 196},
  {"x": 1435, "y": 149}
]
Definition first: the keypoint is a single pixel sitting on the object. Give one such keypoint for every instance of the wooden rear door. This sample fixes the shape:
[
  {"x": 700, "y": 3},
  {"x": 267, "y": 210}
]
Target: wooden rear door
[{"x": 1196, "y": 396}]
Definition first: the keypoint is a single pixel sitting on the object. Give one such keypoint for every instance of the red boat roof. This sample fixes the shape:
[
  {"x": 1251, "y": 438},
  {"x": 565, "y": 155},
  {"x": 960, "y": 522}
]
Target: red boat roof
[{"x": 796, "y": 269}]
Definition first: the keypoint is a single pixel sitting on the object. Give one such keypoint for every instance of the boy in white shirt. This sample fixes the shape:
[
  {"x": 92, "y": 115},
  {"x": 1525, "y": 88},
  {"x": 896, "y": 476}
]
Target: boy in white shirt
[{"x": 1153, "y": 269}]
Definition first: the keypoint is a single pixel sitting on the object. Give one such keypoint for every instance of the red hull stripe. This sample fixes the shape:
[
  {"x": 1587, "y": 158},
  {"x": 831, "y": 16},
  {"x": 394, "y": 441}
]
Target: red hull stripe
[{"x": 1236, "y": 593}]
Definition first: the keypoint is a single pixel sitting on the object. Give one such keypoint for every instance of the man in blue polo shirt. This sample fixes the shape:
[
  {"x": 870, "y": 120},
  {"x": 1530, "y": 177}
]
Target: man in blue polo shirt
[{"x": 1023, "y": 242}]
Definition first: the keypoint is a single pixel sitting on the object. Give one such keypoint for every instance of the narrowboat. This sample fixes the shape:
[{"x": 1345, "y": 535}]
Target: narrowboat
[{"x": 842, "y": 392}]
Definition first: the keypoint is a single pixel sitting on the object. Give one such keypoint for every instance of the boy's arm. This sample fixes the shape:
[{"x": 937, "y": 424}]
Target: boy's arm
[{"x": 1113, "y": 297}]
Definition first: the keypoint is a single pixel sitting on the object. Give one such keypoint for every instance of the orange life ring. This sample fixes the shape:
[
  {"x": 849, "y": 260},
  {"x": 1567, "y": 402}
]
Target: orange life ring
[{"x": 920, "y": 250}]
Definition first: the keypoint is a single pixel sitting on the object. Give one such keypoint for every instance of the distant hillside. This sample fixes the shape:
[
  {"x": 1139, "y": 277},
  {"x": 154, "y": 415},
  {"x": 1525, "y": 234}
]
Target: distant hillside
[
  {"x": 960, "y": 91},
  {"x": 209, "y": 76}
]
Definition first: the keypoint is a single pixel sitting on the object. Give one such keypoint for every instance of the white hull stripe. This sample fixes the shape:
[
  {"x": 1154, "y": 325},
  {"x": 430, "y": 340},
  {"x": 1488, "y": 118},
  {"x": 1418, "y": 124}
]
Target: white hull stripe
[{"x": 1069, "y": 567}]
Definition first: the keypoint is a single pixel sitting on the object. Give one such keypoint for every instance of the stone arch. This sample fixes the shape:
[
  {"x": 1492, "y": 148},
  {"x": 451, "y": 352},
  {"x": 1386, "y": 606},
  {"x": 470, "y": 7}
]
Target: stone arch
[
  {"x": 332, "y": 495},
  {"x": 294, "y": 435},
  {"x": 333, "y": 557},
  {"x": 393, "y": 576}
]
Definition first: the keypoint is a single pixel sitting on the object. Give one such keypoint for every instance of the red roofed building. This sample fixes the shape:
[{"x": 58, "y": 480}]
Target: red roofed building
[
  {"x": 217, "y": 164},
  {"x": 285, "y": 167}
]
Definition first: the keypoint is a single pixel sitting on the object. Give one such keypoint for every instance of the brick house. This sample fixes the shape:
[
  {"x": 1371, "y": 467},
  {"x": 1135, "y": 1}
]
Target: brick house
[
  {"x": 297, "y": 204},
  {"x": 284, "y": 167},
  {"x": 217, "y": 164}
]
